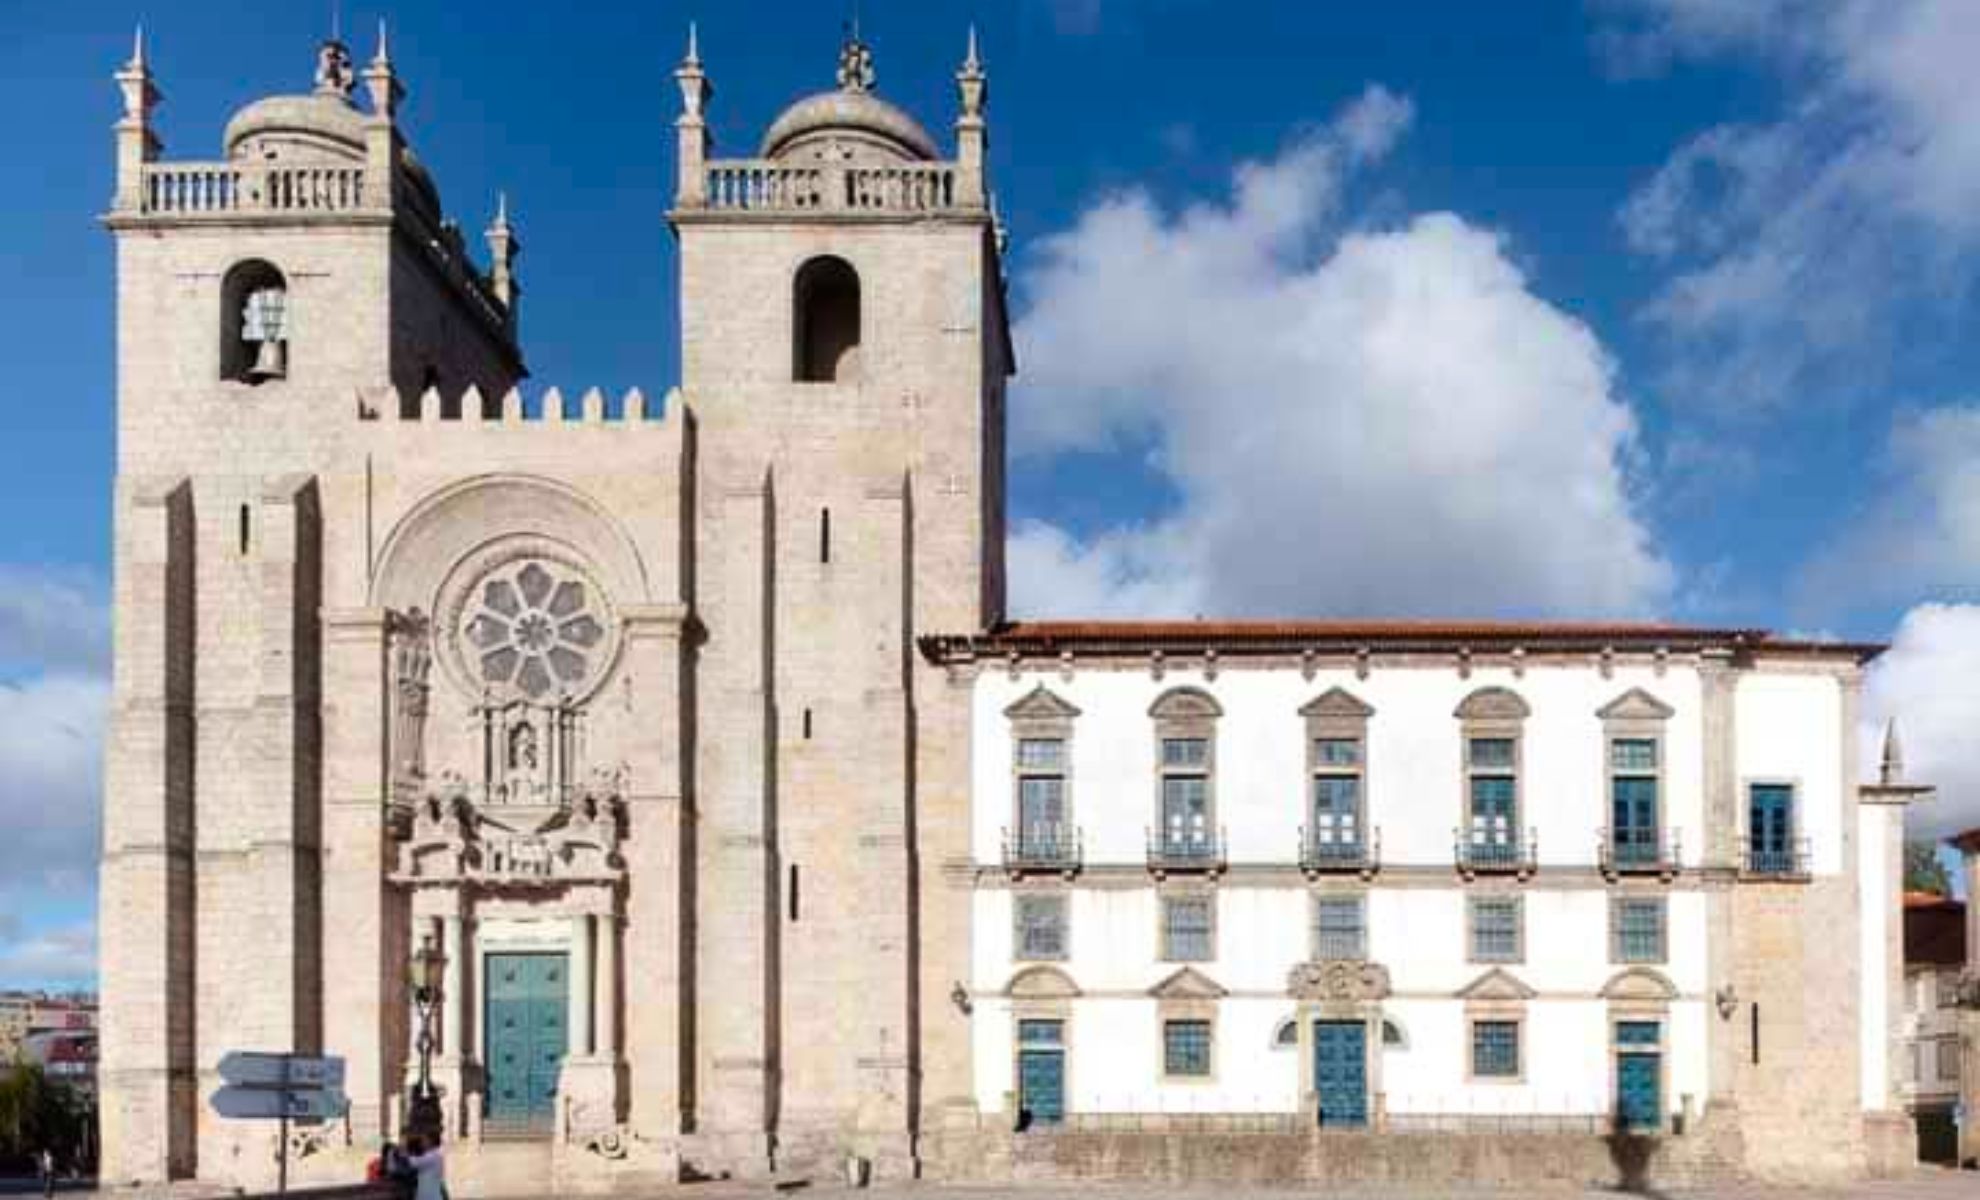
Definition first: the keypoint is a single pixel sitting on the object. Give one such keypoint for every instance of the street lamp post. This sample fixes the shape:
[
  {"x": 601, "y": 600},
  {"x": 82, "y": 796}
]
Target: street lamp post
[{"x": 428, "y": 964}]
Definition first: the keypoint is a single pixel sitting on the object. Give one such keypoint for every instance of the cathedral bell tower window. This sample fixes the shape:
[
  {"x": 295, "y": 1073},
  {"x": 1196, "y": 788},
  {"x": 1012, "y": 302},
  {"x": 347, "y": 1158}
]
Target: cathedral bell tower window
[
  {"x": 256, "y": 323},
  {"x": 825, "y": 322}
]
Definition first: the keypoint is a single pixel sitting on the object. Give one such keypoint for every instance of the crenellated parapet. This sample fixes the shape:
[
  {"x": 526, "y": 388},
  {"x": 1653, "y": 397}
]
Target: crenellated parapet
[{"x": 388, "y": 408}]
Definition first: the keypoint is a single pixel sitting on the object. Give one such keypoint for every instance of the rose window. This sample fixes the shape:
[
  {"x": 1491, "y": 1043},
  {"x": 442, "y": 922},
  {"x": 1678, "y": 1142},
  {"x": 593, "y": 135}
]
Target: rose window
[{"x": 534, "y": 626}]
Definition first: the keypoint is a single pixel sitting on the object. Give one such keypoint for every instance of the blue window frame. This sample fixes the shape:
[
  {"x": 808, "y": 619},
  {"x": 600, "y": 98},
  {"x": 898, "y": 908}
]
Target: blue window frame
[
  {"x": 1495, "y": 1049},
  {"x": 1336, "y": 825},
  {"x": 1633, "y": 818},
  {"x": 1340, "y": 927},
  {"x": 1337, "y": 752},
  {"x": 1186, "y": 1048},
  {"x": 1188, "y": 928},
  {"x": 1639, "y": 929},
  {"x": 1495, "y": 929},
  {"x": 1770, "y": 829}
]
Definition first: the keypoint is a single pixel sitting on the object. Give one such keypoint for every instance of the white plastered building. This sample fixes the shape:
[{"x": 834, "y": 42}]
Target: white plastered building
[{"x": 1408, "y": 877}]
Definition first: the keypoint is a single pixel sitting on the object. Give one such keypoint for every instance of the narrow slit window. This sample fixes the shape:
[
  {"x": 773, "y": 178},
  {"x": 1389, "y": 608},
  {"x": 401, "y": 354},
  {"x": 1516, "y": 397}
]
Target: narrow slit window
[
  {"x": 825, "y": 535},
  {"x": 245, "y": 518},
  {"x": 807, "y": 724},
  {"x": 791, "y": 893}
]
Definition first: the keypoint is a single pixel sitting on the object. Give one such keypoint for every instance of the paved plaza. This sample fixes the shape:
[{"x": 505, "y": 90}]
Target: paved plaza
[{"x": 1925, "y": 1185}]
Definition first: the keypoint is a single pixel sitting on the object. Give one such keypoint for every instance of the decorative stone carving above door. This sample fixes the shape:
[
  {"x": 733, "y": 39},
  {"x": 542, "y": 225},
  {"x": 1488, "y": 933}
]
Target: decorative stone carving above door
[{"x": 1338, "y": 979}]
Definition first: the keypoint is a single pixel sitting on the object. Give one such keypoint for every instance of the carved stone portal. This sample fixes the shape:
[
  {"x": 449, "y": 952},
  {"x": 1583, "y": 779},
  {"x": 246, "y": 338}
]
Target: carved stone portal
[
  {"x": 529, "y": 818},
  {"x": 1338, "y": 979}
]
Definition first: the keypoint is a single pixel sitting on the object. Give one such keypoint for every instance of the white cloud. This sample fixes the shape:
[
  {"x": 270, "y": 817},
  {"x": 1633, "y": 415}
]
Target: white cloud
[
  {"x": 1808, "y": 242},
  {"x": 51, "y": 750},
  {"x": 1355, "y": 420},
  {"x": 1926, "y": 680},
  {"x": 54, "y": 690}
]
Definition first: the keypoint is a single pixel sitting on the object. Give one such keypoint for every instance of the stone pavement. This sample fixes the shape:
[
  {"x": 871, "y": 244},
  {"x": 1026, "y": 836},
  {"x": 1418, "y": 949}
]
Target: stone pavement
[{"x": 1926, "y": 1185}]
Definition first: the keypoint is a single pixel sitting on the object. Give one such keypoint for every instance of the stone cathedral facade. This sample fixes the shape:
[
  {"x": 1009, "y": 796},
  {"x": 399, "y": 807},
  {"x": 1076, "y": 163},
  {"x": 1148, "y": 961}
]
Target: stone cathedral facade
[
  {"x": 689, "y": 731},
  {"x": 615, "y": 702}
]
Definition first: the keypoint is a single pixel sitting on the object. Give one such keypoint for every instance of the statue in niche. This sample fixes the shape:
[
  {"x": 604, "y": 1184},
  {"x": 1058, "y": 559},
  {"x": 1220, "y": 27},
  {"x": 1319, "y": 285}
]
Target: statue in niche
[{"x": 522, "y": 748}]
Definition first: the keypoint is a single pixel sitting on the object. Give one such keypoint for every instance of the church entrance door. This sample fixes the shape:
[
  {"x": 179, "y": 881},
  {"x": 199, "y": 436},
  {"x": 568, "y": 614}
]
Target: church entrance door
[{"x": 528, "y": 1005}]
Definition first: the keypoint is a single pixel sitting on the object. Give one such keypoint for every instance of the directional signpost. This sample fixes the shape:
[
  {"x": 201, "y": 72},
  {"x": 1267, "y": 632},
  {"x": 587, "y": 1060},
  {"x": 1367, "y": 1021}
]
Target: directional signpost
[{"x": 280, "y": 1087}]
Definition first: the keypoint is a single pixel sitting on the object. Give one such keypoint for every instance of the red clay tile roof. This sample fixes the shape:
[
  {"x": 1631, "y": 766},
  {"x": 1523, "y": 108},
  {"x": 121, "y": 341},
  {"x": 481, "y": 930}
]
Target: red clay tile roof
[{"x": 1054, "y": 637}]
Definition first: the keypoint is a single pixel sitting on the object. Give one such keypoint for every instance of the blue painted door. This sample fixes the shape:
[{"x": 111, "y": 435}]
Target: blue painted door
[
  {"x": 527, "y": 1006},
  {"x": 1340, "y": 1071},
  {"x": 1041, "y": 1073},
  {"x": 1639, "y": 1090},
  {"x": 1769, "y": 827}
]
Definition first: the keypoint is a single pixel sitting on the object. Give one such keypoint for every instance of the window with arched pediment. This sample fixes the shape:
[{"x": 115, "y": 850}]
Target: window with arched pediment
[
  {"x": 1042, "y": 833},
  {"x": 1334, "y": 830},
  {"x": 1490, "y": 836},
  {"x": 1185, "y": 776},
  {"x": 1636, "y": 836}
]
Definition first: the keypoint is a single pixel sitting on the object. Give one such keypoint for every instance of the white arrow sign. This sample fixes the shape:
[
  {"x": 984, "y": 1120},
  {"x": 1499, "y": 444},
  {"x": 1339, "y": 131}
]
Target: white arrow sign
[
  {"x": 257, "y": 1069},
  {"x": 264, "y": 1104}
]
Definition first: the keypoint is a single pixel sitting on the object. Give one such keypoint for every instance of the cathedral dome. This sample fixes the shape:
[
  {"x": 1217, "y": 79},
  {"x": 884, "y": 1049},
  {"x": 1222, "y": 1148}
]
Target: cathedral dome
[
  {"x": 858, "y": 117},
  {"x": 322, "y": 122},
  {"x": 852, "y": 116}
]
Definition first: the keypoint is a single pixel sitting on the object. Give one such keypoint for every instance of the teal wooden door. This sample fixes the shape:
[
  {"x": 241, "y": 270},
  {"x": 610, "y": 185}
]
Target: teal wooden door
[
  {"x": 1041, "y": 1073},
  {"x": 1340, "y": 1072},
  {"x": 527, "y": 1007},
  {"x": 1639, "y": 1090}
]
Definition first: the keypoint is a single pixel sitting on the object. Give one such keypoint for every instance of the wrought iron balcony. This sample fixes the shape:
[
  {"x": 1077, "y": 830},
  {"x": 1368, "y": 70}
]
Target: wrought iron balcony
[
  {"x": 1773, "y": 859},
  {"x": 1330, "y": 850},
  {"x": 1172, "y": 851},
  {"x": 1481, "y": 853},
  {"x": 1043, "y": 849},
  {"x": 1638, "y": 850}
]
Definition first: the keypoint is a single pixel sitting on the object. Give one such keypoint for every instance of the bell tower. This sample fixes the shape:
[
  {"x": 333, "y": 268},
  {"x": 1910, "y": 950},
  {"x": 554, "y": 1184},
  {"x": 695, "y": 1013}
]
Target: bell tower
[
  {"x": 264, "y": 298},
  {"x": 845, "y": 350}
]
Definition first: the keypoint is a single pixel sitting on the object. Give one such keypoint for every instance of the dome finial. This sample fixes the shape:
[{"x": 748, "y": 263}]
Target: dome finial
[
  {"x": 334, "y": 74},
  {"x": 855, "y": 61},
  {"x": 1891, "y": 771},
  {"x": 693, "y": 58},
  {"x": 137, "y": 50}
]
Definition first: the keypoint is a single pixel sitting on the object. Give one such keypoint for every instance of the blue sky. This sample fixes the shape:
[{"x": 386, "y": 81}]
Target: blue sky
[{"x": 1650, "y": 307}]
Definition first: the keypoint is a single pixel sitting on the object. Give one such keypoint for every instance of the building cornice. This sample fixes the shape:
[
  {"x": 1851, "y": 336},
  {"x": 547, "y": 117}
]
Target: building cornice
[{"x": 1100, "y": 639}]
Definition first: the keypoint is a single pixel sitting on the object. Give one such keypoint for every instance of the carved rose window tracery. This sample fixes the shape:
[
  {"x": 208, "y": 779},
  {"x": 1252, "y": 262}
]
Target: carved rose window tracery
[{"x": 536, "y": 626}]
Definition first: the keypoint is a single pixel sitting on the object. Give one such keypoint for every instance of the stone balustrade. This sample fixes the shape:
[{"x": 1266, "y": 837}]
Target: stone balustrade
[
  {"x": 192, "y": 189},
  {"x": 770, "y": 186}
]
